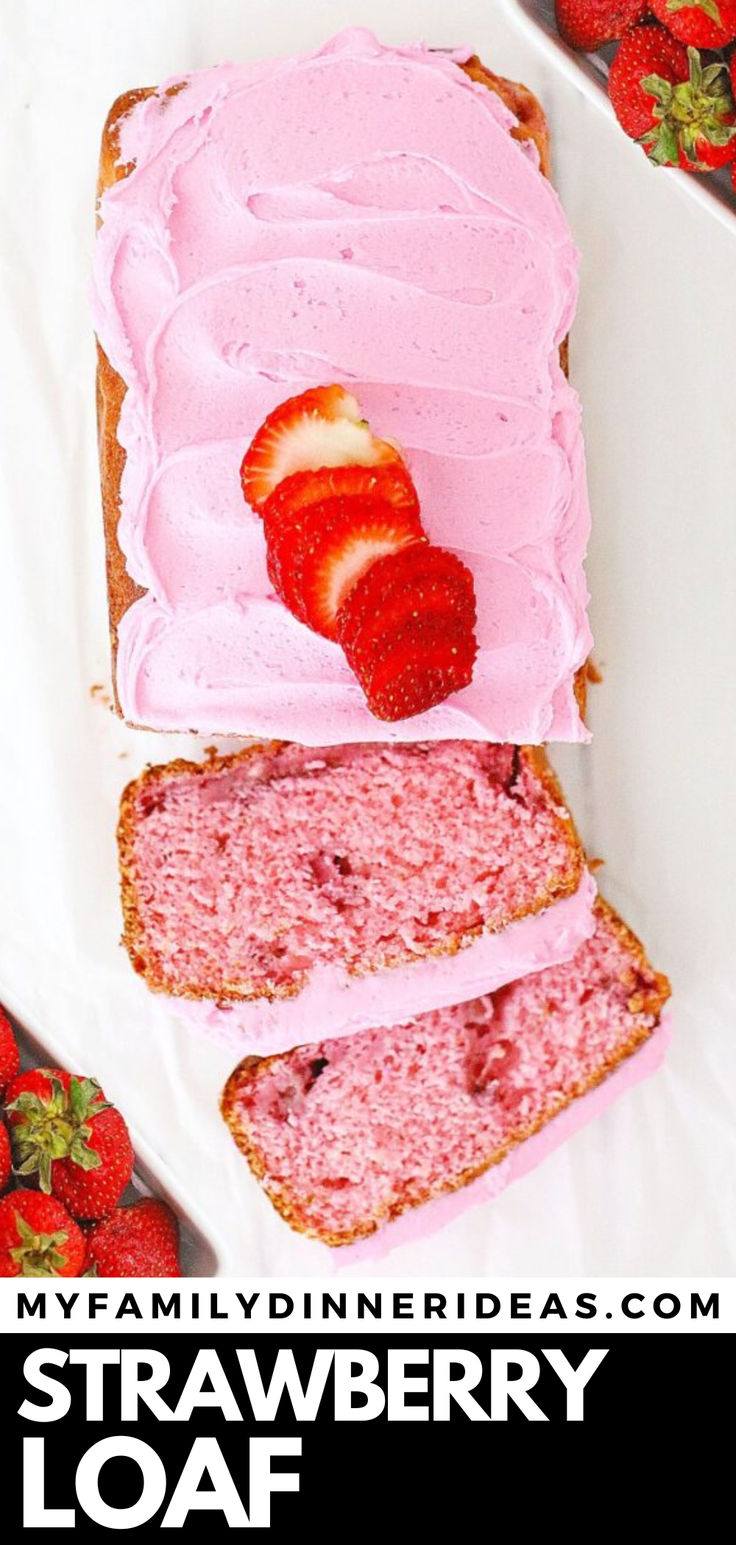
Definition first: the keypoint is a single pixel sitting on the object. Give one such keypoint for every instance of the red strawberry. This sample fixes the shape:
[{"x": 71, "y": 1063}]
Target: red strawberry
[
  {"x": 6, "y": 1157},
  {"x": 38, "y": 1238},
  {"x": 643, "y": 52},
  {"x": 323, "y": 427},
  {"x": 65, "y": 1131},
  {"x": 407, "y": 631},
  {"x": 137, "y": 1241},
  {"x": 704, "y": 23},
  {"x": 391, "y": 483},
  {"x": 426, "y": 582},
  {"x": 317, "y": 553},
  {"x": 424, "y": 665},
  {"x": 588, "y": 24},
  {"x": 9, "y": 1054},
  {"x": 680, "y": 113}
]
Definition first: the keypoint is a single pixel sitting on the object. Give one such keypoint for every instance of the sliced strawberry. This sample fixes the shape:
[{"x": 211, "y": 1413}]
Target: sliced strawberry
[
  {"x": 322, "y": 427},
  {"x": 422, "y": 666},
  {"x": 390, "y": 482},
  {"x": 316, "y": 554},
  {"x": 422, "y": 581}
]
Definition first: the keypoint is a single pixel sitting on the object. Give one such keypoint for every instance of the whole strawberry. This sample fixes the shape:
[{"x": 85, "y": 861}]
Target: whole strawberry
[
  {"x": 137, "y": 1241},
  {"x": 64, "y": 1130},
  {"x": 588, "y": 24},
  {"x": 9, "y": 1054},
  {"x": 681, "y": 113},
  {"x": 6, "y": 1157},
  {"x": 38, "y": 1238},
  {"x": 704, "y": 23}
]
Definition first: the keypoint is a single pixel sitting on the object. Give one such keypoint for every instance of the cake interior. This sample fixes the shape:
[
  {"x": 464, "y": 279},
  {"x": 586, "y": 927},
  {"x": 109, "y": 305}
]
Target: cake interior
[
  {"x": 347, "y": 1134},
  {"x": 242, "y": 878}
]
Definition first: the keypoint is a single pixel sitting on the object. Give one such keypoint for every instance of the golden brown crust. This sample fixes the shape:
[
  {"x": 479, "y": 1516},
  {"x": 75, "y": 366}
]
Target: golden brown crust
[
  {"x": 122, "y": 589},
  {"x": 532, "y": 123},
  {"x": 649, "y": 1003},
  {"x": 134, "y": 934}
]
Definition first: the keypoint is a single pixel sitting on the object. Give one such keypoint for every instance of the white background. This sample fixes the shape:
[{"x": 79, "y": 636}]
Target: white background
[{"x": 650, "y": 1187}]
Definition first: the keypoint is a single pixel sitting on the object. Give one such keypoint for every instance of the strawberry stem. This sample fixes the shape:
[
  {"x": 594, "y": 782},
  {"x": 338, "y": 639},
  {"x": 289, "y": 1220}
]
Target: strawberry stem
[
  {"x": 57, "y": 1126},
  {"x": 38, "y": 1255},
  {"x": 700, "y": 109}
]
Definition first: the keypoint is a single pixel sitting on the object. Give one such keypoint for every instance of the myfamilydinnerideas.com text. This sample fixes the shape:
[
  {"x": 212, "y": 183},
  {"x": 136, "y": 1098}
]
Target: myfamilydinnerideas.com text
[{"x": 539, "y": 1302}]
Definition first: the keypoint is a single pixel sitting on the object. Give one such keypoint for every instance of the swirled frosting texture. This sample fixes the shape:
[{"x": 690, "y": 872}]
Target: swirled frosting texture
[{"x": 360, "y": 215}]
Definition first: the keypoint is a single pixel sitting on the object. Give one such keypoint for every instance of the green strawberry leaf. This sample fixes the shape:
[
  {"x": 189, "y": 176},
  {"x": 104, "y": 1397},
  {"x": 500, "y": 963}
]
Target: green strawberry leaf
[
  {"x": 712, "y": 73},
  {"x": 81, "y": 1154},
  {"x": 655, "y": 86},
  {"x": 86, "y": 1099},
  {"x": 38, "y": 1255}
]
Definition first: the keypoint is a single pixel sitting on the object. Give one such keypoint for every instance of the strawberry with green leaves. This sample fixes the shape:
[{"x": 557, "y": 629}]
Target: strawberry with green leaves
[
  {"x": 137, "y": 1241},
  {"x": 702, "y": 23},
  {"x": 681, "y": 112},
  {"x": 65, "y": 1131},
  {"x": 588, "y": 24},
  {"x": 38, "y": 1238}
]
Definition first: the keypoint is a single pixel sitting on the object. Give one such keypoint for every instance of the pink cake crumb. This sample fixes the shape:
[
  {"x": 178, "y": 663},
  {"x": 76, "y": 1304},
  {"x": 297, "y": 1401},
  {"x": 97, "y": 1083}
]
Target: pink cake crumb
[
  {"x": 241, "y": 877},
  {"x": 348, "y": 1134}
]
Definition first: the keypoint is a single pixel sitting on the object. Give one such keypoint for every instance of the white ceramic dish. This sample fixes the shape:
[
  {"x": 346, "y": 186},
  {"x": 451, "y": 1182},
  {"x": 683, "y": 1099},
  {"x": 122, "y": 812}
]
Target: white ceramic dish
[
  {"x": 198, "y": 1254},
  {"x": 714, "y": 192}
]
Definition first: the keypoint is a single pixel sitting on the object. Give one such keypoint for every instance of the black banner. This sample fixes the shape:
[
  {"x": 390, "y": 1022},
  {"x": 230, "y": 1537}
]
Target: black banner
[{"x": 393, "y": 1432}]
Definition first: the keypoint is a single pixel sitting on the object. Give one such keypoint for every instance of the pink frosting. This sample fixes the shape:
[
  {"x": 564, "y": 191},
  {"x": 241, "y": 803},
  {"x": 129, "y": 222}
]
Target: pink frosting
[
  {"x": 360, "y": 215},
  {"x": 421, "y": 1221},
  {"x": 334, "y": 1004}
]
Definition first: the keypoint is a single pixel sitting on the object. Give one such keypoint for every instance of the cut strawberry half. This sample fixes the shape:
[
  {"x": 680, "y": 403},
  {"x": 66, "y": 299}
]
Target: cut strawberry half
[
  {"x": 323, "y": 427},
  {"x": 390, "y": 482},
  {"x": 317, "y": 553},
  {"x": 422, "y": 581},
  {"x": 421, "y": 667}
]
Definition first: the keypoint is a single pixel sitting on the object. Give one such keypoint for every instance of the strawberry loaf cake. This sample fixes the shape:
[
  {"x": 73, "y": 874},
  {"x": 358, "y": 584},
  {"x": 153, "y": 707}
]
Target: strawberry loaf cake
[
  {"x": 374, "y": 217},
  {"x": 291, "y": 893},
  {"x": 346, "y": 516},
  {"x": 345, "y": 1136}
]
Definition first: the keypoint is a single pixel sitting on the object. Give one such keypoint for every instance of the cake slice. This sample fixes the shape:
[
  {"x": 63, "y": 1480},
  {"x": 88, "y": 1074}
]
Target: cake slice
[
  {"x": 374, "y": 217},
  {"x": 347, "y": 1135},
  {"x": 302, "y": 892}
]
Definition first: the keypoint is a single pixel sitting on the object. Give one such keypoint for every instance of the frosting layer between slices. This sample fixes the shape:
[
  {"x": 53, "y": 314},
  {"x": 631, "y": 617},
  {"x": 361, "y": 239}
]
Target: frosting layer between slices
[
  {"x": 334, "y": 1004},
  {"x": 362, "y": 215}
]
